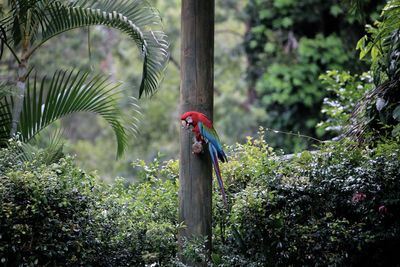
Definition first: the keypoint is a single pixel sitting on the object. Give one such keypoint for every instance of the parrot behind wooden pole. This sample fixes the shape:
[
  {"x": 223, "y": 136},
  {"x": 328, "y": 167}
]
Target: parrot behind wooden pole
[{"x": 204, "y": 131}]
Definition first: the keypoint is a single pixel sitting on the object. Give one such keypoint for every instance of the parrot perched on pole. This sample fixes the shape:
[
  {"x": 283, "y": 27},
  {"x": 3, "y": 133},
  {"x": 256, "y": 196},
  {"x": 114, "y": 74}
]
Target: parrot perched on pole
[{"x": 204, "y": 131}]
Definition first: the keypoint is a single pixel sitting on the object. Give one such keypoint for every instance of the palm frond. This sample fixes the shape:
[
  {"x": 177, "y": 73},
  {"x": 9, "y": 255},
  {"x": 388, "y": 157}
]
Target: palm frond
[
  {"x": 5, "y": 121},
  {"x": 139, "y": 11},
  {"x": 51, "y": 153},
  {"x": 375, "y": 111},
  {"x": 134, "y": 117},
  {"x": 43, "y": 19},
  {"x": 23, "y": 19},
  {"x": 69, "y": 92},
  {"x": 6, "y": 93},
  {"x": 375, "y": 114},
  {"x": 3, "y": 40},
  {"x": 390, "y": 15},
  {"x": 134, "y": 18},
  {"x": 31, "y": 151}
]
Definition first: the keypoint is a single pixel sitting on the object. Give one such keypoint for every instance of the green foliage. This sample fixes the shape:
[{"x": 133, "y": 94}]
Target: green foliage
[
  {"x": 381, "y": 43},
  {"x": 291, "y": 90},
  {"x": 378, "y": 111},
  {"x": 27, "y": 26},
  {"x": 284, "y": 84},
  {"x": 288, "y": 45},
  {"x": 194, "y": 250},
  {"x": 59, "y": 215},
  {"x": 35, "y": 22},
  {"x": 345, "y": 91},
  {"x": 70, "y": 92},
  {"x": 336, "y": 206}
]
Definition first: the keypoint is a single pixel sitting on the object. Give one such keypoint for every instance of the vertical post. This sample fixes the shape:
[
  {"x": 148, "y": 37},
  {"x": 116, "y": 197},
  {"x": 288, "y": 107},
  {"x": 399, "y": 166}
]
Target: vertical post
[{"x": 197, "y": 82}]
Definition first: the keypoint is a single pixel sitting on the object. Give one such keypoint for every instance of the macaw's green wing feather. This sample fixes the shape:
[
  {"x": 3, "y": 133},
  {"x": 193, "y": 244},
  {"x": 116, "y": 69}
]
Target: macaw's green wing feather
[{"x": 211, "y": 136}]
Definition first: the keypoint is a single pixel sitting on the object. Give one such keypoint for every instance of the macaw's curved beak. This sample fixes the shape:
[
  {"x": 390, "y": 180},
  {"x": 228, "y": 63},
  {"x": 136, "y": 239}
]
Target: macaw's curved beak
[{"x": 184, "y": 124}]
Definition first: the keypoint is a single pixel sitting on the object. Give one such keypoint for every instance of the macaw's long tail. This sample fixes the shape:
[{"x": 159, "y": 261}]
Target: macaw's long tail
[{"x": 214, "y": 159}]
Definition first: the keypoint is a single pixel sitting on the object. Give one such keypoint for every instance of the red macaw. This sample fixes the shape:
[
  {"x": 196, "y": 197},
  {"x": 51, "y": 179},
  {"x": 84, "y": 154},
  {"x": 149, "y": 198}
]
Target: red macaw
[{"x": 204, "y": 131}]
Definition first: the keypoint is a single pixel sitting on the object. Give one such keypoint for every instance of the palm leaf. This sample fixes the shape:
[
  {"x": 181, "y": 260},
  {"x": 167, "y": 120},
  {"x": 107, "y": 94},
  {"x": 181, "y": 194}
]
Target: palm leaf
[
  {"x": 3, "y": 40},
  {"x": 6, "y": 93},
  {"x": 43, "y": 19},
  {"x": 51, "y": 153},
  {"x": 5, "y": 121},
  {"x": 134, "y": 18},
  {"x": 69, "y": 92},
  {"x": 23, "y": 19}
]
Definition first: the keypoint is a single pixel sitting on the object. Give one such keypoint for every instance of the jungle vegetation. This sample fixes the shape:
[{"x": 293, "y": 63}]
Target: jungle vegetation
[{"x": 306, "y": 99}]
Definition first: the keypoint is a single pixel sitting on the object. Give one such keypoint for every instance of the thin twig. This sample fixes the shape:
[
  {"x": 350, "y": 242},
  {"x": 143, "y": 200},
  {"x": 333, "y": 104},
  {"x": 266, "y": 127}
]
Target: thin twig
[{"x": 294, "y": 134}]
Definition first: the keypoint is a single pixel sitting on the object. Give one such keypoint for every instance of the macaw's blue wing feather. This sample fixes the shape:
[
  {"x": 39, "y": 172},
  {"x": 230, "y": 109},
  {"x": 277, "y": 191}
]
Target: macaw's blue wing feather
[
  {"x": 211, "y": 136},
  {"x": 214, "y": 159}
]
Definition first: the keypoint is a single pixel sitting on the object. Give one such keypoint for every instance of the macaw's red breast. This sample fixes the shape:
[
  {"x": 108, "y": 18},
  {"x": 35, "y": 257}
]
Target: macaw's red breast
[{"x": 197, "y": 117}]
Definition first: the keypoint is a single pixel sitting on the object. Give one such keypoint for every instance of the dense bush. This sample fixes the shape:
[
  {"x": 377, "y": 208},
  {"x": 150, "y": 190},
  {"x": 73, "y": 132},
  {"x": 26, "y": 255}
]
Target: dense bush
[
  {"x": 339, "y": 206},
  {"x": 58, "y": 215}
]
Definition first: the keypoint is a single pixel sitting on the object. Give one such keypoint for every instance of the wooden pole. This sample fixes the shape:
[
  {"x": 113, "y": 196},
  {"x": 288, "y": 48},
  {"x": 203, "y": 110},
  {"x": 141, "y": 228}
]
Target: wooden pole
[{"x": 197, "y": 82}]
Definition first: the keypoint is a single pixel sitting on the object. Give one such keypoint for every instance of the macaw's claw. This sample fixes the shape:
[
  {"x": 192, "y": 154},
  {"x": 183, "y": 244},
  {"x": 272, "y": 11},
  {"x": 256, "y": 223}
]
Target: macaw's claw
[{"x": 197, "y": 148}]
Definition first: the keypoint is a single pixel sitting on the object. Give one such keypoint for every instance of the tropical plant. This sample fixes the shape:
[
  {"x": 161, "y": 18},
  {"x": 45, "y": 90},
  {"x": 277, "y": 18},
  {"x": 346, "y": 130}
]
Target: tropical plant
[
  {"x": 29, "y": 104},
  {"x": 379, "y": 110}
]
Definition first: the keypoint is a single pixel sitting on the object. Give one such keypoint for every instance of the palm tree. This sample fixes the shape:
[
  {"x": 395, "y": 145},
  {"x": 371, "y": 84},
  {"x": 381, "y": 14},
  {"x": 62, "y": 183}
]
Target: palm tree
[{"x": 29, "y": 104}]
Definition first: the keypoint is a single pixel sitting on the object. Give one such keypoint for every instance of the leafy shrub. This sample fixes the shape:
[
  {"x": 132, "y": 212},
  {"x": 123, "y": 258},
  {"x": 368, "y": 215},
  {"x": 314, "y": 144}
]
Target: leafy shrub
[
  {"x": 58, "y": 215},
  {"x": 337, "y": 206},
  {"x": 378, "y": 112},
  {"x": 346, "y": 90},
  {"x": 334, "y": 207}
]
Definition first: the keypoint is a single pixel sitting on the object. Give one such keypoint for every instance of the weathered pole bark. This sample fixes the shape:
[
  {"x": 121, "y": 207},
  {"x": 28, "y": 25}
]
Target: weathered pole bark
[{"x": 197, "y": 82}]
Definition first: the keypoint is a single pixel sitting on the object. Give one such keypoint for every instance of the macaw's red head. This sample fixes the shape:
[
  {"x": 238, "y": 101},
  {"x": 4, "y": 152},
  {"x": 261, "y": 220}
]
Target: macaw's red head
[{"x": 191, "y": 118}]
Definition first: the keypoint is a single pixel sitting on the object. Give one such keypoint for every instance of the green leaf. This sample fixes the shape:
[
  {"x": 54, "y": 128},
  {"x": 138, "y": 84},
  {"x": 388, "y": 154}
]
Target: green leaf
[
  {"x": 375, "y": 53},
  {"x": 70, "y": 92},
  {"x": 364, "y": 49}
]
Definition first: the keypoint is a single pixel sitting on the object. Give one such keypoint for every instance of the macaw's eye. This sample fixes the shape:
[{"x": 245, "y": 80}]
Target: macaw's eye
[{"x": 183, "y": 123}]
